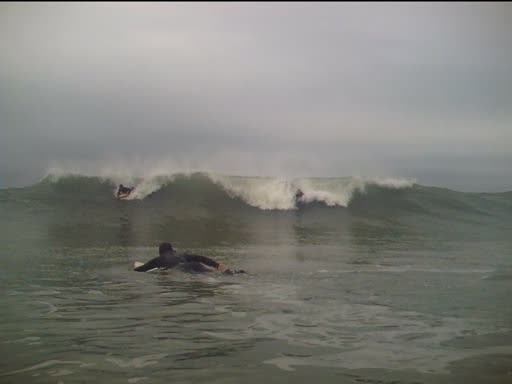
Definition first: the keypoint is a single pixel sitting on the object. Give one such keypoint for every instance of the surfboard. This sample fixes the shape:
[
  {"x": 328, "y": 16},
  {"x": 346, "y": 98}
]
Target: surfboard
[
  {"x": 138, "y": 264},
  {"x": 122, "y": 196}
]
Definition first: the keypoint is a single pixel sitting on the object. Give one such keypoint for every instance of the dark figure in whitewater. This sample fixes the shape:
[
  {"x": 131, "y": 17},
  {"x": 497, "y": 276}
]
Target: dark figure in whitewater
[
  {"x": 186, "y": 262},
  {"x": 122, "y": 190},
  {"x": 298, "y": 196}
]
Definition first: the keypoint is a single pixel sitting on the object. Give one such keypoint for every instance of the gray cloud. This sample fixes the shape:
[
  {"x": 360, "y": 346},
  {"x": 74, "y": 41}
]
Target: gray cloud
[{"x": 419, "y": 90}]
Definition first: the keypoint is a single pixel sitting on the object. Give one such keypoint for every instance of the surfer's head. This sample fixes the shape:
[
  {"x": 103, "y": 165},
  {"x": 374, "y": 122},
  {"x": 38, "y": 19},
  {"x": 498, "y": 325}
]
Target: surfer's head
[{"x": 165, "y": 248}]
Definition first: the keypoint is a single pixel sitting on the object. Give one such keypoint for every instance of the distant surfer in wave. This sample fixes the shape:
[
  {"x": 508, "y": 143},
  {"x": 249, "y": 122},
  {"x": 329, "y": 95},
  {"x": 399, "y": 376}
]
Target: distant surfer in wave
[
  {"x": 168, "y": 258},
  {"x": 123, "y": 191},
  {"x": 298, "y": 196}
]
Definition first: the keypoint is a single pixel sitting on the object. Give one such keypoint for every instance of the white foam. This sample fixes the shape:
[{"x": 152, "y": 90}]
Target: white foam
[
  {"x": 150, "y": 185},
  {"x": 264, "y": 193},
  {"x": 274, "y": 193},
  {"x": 45, "y": 364}
]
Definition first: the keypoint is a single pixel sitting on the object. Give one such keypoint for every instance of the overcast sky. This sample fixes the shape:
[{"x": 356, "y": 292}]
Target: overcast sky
[{"x": 415, "y": 90}]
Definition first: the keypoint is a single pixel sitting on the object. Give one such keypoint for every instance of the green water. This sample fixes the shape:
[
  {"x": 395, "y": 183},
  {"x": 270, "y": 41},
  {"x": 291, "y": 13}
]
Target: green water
[{"x": 408, "y": 285}]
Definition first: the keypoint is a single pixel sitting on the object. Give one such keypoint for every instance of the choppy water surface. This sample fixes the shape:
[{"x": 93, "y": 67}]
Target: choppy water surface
[{"x": 404, "y": 284}]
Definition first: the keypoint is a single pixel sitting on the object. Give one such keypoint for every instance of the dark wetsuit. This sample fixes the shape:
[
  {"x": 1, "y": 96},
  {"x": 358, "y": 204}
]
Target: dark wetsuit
[
  {"x": 298, "y": 196},
  {"x": 185, "y": 262},
  {"x": 122, "y": 190}
]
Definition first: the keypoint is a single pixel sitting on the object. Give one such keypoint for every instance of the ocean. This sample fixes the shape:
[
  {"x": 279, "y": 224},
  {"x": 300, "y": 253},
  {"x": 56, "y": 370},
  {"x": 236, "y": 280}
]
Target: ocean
[{"x": 363, "y": 281}]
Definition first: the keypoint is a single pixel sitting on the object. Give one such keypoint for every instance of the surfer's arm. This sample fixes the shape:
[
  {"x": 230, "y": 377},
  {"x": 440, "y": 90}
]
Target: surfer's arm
[
  {"x": 151, "y": 264},
  {"x": 201, "y": 259},
  {"x": 206, "y": 261}
]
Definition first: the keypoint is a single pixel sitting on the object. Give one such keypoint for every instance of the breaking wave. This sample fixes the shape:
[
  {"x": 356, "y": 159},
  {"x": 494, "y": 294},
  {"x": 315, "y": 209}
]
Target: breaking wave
[{"x": 265, "y": 193}]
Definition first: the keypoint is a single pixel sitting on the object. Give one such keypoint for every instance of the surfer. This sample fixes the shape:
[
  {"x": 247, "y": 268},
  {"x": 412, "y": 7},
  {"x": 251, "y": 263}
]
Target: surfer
[
  {"x": 168, "y": 258},
  {"x": 298, "y": 196},
  {"x": 122, "y": 190}
]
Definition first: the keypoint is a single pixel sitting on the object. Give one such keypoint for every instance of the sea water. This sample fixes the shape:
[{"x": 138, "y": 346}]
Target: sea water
[{"x": 363, "y": 281}]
